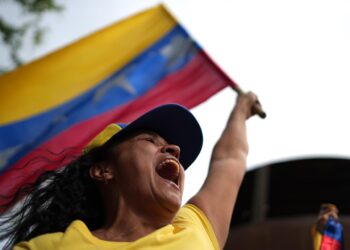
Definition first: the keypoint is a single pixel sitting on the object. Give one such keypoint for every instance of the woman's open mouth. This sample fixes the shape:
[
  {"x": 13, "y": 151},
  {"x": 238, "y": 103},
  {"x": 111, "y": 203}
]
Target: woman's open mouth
[{"x": 169, "y": 169}]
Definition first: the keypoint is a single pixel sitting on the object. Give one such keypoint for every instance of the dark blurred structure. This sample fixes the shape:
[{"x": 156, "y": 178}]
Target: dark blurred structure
[{"x": 278, "y": 204}]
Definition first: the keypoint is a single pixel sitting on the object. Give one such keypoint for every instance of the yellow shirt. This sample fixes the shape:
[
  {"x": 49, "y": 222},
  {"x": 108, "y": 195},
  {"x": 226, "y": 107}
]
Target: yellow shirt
[{"x": 190, "y": 230}]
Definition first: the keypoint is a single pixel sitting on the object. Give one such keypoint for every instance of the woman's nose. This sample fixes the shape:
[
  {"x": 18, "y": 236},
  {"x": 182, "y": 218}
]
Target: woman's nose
[{"x": 174, "y": 150}]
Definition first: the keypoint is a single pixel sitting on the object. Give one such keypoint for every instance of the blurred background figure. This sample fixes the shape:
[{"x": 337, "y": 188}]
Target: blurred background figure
[{"x": 327, "y": 233}]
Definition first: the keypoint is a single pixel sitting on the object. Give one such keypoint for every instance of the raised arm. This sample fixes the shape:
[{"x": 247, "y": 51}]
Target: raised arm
[{"x": 218, "y": 194}]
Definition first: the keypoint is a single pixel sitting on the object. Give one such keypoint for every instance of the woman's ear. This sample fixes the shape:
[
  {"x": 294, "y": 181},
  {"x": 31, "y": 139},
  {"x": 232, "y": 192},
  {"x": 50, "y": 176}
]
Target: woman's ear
[{"x": 101, "y": 172}]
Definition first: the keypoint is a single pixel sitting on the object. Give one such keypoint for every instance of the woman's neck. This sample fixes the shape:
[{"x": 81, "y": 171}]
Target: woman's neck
[{"x": 124, "y": 224}]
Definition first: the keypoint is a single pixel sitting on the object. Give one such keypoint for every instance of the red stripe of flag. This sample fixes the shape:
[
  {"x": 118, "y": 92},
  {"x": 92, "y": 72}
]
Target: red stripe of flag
[{"x": 329, "y": 243}]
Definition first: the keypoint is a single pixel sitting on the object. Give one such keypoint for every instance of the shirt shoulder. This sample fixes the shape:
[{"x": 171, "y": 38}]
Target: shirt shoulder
[
  {"x": 45, "y": 241},
  {"x": 74, "y": 233},
  {"x": 191, "y": 214}
]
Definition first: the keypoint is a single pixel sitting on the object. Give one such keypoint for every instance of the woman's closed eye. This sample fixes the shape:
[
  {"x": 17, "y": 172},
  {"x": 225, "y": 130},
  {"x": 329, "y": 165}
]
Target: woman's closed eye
[
  {"x": 152, "y": 138},
  {"x": 149, "y": 139}
]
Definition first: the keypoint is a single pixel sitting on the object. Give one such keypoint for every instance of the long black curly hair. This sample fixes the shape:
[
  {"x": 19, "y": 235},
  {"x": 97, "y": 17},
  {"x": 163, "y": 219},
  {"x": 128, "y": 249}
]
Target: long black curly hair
[{"x": 56, "y": 199}]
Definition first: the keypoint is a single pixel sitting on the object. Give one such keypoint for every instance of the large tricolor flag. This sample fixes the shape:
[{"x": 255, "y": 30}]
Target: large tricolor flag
[{"x": 63, "y": 99}]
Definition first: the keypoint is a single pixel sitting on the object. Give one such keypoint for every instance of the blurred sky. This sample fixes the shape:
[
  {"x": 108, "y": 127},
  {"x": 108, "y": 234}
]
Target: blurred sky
[{"x": 294, "y": 54}]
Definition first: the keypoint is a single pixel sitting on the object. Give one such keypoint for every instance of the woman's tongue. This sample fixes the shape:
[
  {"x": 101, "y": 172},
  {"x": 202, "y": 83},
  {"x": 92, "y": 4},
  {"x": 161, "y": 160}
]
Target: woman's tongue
[{"x": 169, "y": 171}]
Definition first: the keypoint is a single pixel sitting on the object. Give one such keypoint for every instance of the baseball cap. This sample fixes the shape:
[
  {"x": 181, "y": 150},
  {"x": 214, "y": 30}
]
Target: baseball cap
[{"x": 175, "y": 123}]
